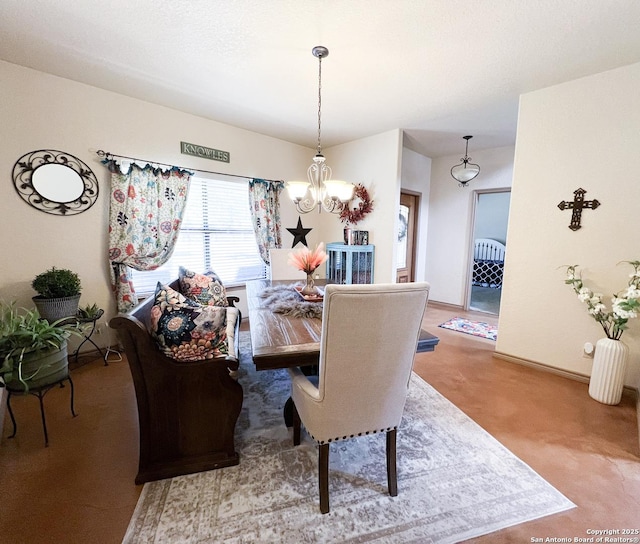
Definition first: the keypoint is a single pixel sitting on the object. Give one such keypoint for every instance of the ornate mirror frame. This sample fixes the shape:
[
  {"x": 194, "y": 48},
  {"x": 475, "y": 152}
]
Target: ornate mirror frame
[{"x": 55, "y": 182}]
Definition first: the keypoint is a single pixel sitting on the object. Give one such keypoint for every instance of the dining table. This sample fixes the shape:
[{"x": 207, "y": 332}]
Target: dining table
[{"x": 279, "y": 340}]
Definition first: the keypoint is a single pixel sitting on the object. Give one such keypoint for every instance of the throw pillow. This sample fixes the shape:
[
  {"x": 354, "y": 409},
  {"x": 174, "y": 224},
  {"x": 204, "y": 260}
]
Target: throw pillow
[
  {"x": 206, "y": 289},
  {"x": 185, "y": 330}
]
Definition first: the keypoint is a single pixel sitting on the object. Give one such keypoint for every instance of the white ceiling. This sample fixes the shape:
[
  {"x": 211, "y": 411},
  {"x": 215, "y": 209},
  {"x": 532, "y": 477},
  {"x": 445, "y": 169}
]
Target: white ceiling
[{"x": 439, "y": 69}]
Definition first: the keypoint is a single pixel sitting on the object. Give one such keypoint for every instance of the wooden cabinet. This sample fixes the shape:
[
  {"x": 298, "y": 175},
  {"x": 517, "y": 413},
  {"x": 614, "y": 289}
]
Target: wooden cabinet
[{"x": 349, "y": 264}]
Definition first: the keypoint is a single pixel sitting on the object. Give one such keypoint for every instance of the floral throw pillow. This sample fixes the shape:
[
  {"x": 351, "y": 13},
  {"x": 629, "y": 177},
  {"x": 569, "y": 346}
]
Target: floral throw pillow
[
  {"x": 206, "y": 289},
  {"x": 185, "y": 330}
]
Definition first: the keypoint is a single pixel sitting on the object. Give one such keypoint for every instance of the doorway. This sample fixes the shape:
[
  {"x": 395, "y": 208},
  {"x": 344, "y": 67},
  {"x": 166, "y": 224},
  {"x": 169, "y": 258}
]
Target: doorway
[
  {"x": 406, "y": 254},
  {"x": 488, "y": 248}
]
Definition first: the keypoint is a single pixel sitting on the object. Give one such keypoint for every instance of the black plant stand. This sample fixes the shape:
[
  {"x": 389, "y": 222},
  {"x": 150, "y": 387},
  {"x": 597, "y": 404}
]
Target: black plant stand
[
  {"x": 79, "y": 321},
  {"x": 39, "y": 392}
]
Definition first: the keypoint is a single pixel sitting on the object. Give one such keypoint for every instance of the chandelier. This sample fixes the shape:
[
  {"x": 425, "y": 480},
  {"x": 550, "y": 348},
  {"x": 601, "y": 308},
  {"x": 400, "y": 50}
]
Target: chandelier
[
  {"x": 319, "y": 191},
  {"x": 464, "y": 172}
]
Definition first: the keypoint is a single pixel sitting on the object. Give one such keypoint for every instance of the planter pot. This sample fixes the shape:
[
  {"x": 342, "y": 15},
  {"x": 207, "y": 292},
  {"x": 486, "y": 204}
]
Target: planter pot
[
  {"x": 609, "y": 367},
  {"x": 53, "y": 309},
  {"x": 41, "y": 369}
]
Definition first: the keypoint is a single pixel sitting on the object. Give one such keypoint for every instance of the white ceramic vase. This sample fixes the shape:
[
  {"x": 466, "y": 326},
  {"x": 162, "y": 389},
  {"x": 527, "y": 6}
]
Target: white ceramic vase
[{"x": 609, "y": 367}]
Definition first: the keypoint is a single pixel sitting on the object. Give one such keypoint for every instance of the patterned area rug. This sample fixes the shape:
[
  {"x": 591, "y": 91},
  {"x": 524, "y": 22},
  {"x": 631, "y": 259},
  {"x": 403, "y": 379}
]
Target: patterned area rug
[
  {"x": 455, "y": 481},
  {"x": 476, "y": 328}
]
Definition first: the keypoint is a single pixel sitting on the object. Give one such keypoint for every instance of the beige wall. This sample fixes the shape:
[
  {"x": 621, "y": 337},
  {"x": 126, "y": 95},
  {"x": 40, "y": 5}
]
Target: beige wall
[
  {"x": 451, "y": 219},
  {"x": 416, "y": 177},
  {"x": 374, "y": 162},
  {"x": 581, "y": 134},
  {"x": 40, "y": 111}
]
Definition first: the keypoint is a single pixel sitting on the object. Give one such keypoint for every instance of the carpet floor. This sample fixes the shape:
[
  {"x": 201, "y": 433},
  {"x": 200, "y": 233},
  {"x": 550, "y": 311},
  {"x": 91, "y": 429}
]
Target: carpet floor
[{"x": 455, "y": 481}]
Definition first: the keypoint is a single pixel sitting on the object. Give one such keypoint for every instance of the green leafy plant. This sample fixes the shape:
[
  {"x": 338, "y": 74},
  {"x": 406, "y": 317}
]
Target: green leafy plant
[
  {"x": 57, "y": 283},
  {"x": 23, "y": 332},
  {"x": 625, "y": 305},
  {"x": 89, "y": 311}
]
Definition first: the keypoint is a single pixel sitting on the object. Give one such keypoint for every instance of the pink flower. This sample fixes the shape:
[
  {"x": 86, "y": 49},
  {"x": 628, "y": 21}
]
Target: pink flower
[{"x": 306, "y": 260}]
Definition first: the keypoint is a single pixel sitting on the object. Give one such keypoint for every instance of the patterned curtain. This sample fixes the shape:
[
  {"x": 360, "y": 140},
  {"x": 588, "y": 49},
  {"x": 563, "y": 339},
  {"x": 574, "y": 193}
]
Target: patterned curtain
[
  {"x": 145, "y": 214},
  {"x": 264, "y": 201}
]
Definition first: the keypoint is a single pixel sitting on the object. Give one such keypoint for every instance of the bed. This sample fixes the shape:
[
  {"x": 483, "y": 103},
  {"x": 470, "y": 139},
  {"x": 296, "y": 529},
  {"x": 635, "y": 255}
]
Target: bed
[{"x": 488, "y": 263}]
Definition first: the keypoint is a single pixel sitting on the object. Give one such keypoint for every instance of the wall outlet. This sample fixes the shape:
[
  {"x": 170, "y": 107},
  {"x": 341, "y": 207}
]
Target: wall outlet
[{"x": 588, "y": 350}]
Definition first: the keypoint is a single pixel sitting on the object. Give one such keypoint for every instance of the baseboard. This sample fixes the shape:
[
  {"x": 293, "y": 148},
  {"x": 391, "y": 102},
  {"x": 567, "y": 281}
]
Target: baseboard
[
  {"x": 445, "y": 305},
  {"x": 576, "y": 376},
  {"x": 454, "y": 308}
]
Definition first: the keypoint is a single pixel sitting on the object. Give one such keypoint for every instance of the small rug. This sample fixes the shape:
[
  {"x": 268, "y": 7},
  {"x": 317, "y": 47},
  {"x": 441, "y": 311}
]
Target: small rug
[
  {"x": 283, "y": 299},
  {"x": 455, "y": 481},
  {"x": 476, "y": 328}
]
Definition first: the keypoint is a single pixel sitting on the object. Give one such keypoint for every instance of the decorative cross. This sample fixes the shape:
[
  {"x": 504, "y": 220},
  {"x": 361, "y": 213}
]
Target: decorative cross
[{"x": 578, "y": 204}]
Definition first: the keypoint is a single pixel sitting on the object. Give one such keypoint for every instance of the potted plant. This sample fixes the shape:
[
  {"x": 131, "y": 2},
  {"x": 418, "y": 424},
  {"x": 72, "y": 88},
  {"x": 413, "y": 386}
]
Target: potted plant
[
  {"x": 611, "y": 354},
  {"x": 33, "y": 351},
  {"x": 58, "y": 293},
  {"x": 90, "y": 312}
]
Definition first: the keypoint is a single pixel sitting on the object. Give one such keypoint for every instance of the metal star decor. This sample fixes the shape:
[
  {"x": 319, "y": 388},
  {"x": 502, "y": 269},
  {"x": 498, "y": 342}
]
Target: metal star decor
[{"x": 299, "y": 234}]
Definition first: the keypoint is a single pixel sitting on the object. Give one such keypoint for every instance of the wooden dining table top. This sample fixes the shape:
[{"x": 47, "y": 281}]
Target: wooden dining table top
[
  {"x": 278, "y": 340},
  {"x": 282, "y": 341}
]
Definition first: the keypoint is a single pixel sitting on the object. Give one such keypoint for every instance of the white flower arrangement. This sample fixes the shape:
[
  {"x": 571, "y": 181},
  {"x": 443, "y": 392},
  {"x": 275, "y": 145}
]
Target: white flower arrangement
[{"x": 624, "y": 305}]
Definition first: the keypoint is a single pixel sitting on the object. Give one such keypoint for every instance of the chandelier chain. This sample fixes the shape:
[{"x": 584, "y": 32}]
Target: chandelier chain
[{"x": 319, "y": 148}]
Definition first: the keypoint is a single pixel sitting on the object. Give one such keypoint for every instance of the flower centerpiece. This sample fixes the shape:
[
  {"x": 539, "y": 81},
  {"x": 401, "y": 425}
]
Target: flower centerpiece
[
  {"x": 611, "y": 354},
  {"x": 624, "y": 305},
  {"x": 306, "y": 260}
]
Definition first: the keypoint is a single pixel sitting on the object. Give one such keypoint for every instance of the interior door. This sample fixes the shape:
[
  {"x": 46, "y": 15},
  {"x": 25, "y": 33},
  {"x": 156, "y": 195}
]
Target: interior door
[
  {"x": 490, "y": 220},
  {"x": 405, "y": 269}
]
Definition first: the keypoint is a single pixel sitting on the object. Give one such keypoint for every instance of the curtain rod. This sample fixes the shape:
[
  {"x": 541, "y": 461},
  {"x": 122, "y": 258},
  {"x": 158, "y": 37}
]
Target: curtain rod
[{"x": 109, "y": 155}]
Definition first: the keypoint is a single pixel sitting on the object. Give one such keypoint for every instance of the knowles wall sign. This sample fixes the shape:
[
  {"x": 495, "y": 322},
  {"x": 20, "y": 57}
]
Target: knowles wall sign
[{"x": 204, "y": 152}]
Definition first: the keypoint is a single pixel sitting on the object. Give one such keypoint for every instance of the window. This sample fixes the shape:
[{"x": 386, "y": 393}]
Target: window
[{"x": 216, "y": 234}]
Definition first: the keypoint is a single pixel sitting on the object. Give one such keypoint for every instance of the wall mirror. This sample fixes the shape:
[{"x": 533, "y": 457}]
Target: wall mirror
[{"x": 55, "y": 182}]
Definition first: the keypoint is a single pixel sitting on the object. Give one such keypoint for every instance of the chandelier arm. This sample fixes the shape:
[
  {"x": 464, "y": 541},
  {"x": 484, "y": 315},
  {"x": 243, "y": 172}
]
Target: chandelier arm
[{"x": 305, "y": 205}]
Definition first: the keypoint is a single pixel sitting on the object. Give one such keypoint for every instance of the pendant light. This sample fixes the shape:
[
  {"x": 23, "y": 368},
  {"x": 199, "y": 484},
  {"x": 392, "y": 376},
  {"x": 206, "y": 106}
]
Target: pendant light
[
  {"x": 464, "y": 172},
  {"x": 319, "y": 191}
]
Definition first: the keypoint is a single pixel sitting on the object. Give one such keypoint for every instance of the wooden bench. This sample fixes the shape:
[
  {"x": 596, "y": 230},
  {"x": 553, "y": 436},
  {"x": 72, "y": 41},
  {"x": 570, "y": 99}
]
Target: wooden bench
[{"x": 187, "y": 411}]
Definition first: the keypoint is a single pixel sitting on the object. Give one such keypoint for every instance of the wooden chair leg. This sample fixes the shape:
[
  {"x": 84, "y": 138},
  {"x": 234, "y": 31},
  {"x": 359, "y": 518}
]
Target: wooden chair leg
[
  {"x": 392, "y": 475},
  {"x": 323, "y": 477},
  {"x": 296, "y": 426}
]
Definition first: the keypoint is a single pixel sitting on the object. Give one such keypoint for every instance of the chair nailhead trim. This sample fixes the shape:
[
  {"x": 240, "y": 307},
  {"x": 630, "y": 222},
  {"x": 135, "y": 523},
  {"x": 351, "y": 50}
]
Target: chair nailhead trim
[{"x": 328, "y": 441}]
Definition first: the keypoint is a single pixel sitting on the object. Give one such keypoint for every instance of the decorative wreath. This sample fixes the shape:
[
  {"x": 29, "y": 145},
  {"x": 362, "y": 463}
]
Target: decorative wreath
[{"x": 354, "y": 215}]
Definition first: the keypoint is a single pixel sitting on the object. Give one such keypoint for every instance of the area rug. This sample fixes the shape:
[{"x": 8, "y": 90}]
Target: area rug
[
  {"x": 455, "y": 481},
  {"x": 475, "y": 328}
]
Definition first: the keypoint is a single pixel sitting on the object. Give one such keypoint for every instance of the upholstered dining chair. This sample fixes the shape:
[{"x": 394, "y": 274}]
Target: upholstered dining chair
[{"x": 367, "y": 346}]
